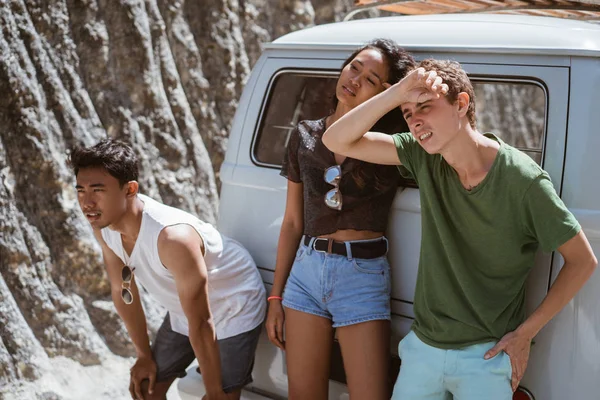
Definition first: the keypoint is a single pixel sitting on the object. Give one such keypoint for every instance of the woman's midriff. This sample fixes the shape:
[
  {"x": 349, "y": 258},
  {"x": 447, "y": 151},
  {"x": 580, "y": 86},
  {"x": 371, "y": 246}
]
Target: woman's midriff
[{"x": 344, "y": 235}]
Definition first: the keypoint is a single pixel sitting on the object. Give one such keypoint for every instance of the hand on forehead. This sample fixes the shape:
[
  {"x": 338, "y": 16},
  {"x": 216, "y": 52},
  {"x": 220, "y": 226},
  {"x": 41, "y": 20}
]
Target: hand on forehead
[{"x": 432, "y": 83}]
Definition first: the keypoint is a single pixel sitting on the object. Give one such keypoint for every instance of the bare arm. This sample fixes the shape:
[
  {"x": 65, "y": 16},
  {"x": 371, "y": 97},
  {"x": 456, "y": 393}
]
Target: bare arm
[
  {"x": 132, "y": 314},
  {"x": 180, "y": 251},
  {"x": 289, "y": 238},
  {"x": 580, "y": 263},
  {"x": 134, "y": 319},
  {"x": 350, "y": 136}
]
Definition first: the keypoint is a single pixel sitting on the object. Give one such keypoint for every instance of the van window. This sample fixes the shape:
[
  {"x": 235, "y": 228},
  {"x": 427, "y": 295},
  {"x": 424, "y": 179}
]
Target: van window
[
  {"x": 513, "y": 110},
  {"x": 292, "y": 97}
]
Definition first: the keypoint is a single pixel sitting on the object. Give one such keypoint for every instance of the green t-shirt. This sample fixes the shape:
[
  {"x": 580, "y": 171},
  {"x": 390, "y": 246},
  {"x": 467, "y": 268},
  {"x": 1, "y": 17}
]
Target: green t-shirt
[{"x": 478, "y": 246}]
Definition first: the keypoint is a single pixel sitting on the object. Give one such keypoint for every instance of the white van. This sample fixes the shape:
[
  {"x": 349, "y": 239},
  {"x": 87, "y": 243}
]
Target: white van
[{"x": 537, "y": 83}]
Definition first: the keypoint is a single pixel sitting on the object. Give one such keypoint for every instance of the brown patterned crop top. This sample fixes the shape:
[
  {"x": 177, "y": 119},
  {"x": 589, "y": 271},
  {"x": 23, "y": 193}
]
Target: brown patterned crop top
[{"x": 366, "y": 205}]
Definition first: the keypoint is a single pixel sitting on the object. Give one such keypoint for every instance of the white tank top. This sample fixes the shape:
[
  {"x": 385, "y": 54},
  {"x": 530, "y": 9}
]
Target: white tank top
[{"x": 235, "y": 289}]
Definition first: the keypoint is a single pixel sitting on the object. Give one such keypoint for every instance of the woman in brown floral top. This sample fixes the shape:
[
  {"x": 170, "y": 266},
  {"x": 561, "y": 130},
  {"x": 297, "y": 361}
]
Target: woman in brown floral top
[{"x": 331, "y": 256}]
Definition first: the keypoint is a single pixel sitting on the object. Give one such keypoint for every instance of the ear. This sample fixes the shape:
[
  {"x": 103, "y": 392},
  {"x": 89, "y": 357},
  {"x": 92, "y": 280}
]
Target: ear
[
  {"x": 463, "y": 100},
  {"x": 132, "y": 188}
]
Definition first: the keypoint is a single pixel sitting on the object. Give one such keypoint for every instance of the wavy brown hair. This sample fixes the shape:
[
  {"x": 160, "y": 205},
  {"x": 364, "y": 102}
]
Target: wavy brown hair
[{"x": 457, "y": 80}]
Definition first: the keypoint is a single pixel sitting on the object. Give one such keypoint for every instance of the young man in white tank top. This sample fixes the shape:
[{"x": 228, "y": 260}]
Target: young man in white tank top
[{"x": 208, "y": 283}]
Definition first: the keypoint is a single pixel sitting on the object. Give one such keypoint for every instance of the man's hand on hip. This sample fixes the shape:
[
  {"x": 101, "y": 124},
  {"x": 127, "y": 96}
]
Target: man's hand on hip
[{"x": 517, "y": 347}]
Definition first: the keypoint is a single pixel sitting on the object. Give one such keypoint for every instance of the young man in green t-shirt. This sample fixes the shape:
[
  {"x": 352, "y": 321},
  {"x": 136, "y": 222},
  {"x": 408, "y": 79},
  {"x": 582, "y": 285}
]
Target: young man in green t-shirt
[{"x": 486, "y": 209}]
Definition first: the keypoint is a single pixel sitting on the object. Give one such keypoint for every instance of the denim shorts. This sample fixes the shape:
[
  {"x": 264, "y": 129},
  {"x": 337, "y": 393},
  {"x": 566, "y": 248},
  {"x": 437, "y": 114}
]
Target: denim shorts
[
  {"x": 173, "y": 353},
  {"x": 431, "y": 373},
  {"x": 344, "y": 289}
]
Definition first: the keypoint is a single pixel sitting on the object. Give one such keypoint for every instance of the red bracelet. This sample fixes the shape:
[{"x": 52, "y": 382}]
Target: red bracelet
[{"x": 274, "y": 298}]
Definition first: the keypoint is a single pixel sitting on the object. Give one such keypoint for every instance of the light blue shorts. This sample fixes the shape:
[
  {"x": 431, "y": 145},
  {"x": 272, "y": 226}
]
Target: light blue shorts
[
  {"x": 437, "y": 374},
  {"x": 344, "y": 289}
]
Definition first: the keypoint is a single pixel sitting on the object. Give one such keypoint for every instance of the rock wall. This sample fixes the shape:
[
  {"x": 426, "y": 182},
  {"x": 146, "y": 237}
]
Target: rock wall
[{"x": 164, "y": 75}]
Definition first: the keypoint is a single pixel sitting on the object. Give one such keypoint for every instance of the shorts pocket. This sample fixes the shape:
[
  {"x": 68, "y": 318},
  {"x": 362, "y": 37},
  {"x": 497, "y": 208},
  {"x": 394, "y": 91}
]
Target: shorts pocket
[
  {"x": 378, "y": 269},
  {"x": 379, "y": 265}
]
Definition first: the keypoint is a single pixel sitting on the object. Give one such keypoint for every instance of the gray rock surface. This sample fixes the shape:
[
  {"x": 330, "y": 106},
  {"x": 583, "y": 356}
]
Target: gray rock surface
[{"x": 164, "y": 75}]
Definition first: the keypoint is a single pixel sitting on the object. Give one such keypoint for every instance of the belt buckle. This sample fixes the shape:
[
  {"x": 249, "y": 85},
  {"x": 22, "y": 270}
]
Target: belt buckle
[{"x": 329, "y": 245}]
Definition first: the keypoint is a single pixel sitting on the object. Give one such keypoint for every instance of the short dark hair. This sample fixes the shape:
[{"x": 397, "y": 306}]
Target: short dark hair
[
  {"x": 115, "y": 156},
  {"x": 457, "y": 80}
]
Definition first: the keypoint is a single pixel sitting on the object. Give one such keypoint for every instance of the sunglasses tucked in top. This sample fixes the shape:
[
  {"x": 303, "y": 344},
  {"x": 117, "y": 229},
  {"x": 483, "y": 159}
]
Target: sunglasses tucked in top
[
  {"x": 333, "y": 198},
  {"x": 368, "y": 189},
  {"x": 126, "y": 276}
]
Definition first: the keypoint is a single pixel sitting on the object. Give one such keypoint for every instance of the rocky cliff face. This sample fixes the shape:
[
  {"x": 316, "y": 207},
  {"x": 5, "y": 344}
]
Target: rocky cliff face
[{"x": 164, "y": 75}]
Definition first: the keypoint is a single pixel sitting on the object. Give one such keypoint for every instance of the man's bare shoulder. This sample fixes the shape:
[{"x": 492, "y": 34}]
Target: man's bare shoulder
[
  {"x": 179, "y": 241},
  {"x": 178, "y": 235}
]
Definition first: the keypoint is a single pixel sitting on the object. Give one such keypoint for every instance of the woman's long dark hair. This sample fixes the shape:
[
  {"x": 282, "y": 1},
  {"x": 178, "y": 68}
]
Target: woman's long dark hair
[{"x": 399, "y": 63}]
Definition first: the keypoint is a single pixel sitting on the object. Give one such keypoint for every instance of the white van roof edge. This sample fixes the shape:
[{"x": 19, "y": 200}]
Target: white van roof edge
[
  {"x": 513, "y": 34},
  {"x": 448, "y": 49}
]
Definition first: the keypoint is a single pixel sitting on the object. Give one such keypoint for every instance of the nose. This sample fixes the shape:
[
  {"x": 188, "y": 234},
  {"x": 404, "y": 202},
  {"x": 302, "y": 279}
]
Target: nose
[
  {"x": 86, "y": 201},
  {"x": 416, "y": 123},
  {"x": 355, "y": 81}
]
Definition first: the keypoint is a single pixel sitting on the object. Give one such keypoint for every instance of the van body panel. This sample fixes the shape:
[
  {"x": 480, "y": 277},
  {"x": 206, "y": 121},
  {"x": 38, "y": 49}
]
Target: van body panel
[
  {"x": 567, "y": 350},
  {"x": 468, "y": 54}
]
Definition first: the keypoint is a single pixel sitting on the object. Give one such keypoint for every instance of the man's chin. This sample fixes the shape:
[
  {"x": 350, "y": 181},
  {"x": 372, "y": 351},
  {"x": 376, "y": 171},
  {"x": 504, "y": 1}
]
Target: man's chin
[
  {"x": 428, "y": 149},
  {"x": 98, "y": 225}
]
